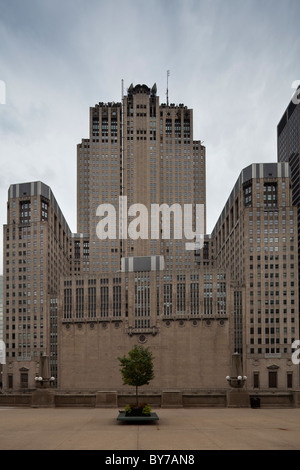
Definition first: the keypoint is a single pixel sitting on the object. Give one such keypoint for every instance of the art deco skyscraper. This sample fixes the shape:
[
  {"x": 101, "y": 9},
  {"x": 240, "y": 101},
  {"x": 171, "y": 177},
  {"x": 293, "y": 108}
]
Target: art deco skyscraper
[{"x": 143, "y": 152}]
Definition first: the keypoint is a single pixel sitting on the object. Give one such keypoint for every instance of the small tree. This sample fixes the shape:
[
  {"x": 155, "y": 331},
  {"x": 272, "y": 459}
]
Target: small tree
[{"x": 137, "y": 368}]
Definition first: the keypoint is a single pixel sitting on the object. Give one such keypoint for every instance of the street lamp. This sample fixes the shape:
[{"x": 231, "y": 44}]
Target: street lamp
[{"x": 236, "y": 379}]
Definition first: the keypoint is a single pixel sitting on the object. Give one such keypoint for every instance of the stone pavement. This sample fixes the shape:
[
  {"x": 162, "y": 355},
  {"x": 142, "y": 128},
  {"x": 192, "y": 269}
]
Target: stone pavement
[{"x": 177, "y": 429}]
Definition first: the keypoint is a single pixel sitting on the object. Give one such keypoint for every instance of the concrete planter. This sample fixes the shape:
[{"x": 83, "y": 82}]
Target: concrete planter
[{"x": 138, "y": 418}]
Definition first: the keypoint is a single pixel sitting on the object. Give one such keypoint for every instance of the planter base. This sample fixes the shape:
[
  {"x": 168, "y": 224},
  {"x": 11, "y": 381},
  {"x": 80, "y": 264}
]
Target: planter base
[{"x": 122, "y": 417}]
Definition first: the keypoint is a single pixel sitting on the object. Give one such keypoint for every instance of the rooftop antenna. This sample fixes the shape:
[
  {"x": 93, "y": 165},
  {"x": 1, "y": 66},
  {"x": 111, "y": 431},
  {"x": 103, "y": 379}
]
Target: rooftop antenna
[{"x": 168, "y": 73}]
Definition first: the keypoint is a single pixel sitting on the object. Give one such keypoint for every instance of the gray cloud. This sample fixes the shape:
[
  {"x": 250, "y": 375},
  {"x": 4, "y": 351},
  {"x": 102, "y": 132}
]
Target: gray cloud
[{"x": 232, "y": 61}]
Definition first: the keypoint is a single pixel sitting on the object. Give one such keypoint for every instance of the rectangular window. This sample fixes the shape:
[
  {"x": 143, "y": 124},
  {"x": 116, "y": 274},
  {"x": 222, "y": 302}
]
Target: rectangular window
[
  {"x": 77, "y": 250},
  {"x": 221, "y": 298},
  {"x": 104, "y": 304},
  {"x": 117, "y": 301},
  {"x": 10, "y": 381},
  {"x": 207, "y": 296},
  {"x": 24, "y": 380},
  {"x": 194, "y": 290},
  {"x": 25, "y": 212},
  {"x": 238, "y": 323},
  {"x": 67, "y": 303},
  {"x": 86, "y": 249},
  {"x": 92, "y": 302},
  {"x": 80, "y": 302},
  {"x": 270, "y": 194},
  {"x": 141, "y": 302},
  {"x": 255, "y": 379},
  {"x": 181, "y": 298},
  {"x": 248, "y": 195},
  {"x": 44, "y": 210},
  {"x": 167, "y": 299},
  {"x": 272, "y": 379}
]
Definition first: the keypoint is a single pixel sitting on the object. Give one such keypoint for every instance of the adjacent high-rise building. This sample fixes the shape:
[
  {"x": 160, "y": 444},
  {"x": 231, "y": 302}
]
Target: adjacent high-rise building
[
  {"x": 288, "y": 150},
  {"x": 36, "y": 254},
  {"x": 256, "y": 240},
  {"x": 288, "y": 142},
  {"x": 288, "y": 130}
]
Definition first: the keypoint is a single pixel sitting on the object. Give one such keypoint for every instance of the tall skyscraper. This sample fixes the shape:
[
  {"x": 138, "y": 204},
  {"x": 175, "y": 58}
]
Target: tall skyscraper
[
  {"x": 288, "y": 130},
  {"x": 288, "y": 150},
  {"x": 288, "y": 142},
  {"x": 139, "y": 153}
]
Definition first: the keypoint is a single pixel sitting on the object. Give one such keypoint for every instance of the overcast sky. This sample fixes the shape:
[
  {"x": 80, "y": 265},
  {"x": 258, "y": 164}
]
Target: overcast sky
[{"x": 232, "y": 61}]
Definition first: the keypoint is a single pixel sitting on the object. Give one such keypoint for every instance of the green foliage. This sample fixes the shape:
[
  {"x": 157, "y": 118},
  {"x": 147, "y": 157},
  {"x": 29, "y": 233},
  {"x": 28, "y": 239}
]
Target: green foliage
[
  {"x": 146, "y": 410},
  {"x": 138, "y": 410},
  {"x": 128, "y": 409},
  {"x": 137, "y": 368}
]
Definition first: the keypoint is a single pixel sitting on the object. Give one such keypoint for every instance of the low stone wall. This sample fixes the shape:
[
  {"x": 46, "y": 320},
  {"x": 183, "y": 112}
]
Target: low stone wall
[
  {"x": 277, "y": 400},
  {"x": 15, "y": 400},
  {"x": 73, "y": 401},
  {"x": 163, "y": 399},
  {"x": 154, "y": 400},
  {"x": 198, "y": 400},
  {"x": 175, "y": 399}
]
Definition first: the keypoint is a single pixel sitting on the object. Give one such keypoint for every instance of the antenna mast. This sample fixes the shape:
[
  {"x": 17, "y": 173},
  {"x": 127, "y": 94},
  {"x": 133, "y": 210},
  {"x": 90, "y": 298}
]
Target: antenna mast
[
  {"x": 168, "y": 73},
  {"x": 121, "y": 227}
]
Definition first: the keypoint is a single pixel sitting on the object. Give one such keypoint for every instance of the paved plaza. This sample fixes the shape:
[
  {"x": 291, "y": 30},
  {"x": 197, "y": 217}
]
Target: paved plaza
[{"x": 177, "y": 429}]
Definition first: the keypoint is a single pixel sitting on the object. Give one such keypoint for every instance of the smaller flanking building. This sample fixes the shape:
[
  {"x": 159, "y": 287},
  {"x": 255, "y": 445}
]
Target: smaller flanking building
[
  {"x": 36, "y": 241},
  {"x": 256, "y": 240}
]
